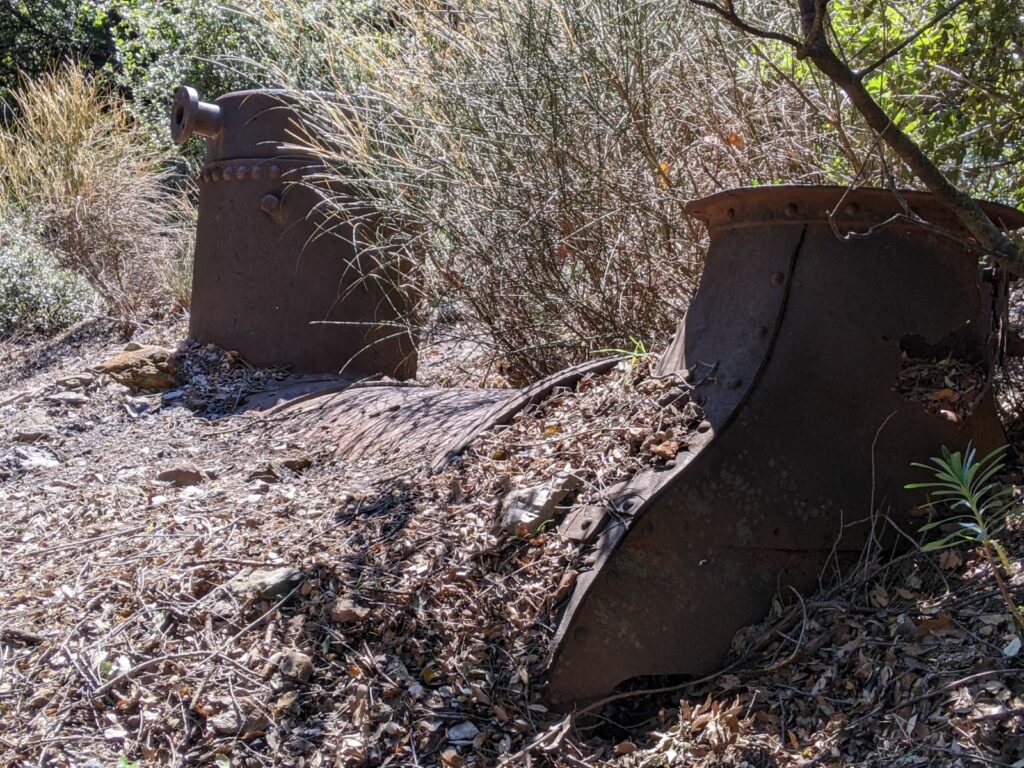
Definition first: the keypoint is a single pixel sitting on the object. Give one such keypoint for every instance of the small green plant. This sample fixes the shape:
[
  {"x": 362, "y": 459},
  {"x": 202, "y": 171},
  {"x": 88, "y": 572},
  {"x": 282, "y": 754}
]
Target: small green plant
[
  {"x": 637, "y": 354},
  {"x": 980, "y": 508}
]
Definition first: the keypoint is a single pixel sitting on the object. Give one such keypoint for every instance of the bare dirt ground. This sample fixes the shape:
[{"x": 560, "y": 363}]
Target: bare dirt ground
[{"x": 184, "y": 582}]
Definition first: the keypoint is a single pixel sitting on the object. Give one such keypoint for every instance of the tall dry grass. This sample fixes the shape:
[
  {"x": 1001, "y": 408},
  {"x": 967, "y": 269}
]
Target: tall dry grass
[
  {"x": 75, "y": 168},
  {"x": 533, "y": 158}
]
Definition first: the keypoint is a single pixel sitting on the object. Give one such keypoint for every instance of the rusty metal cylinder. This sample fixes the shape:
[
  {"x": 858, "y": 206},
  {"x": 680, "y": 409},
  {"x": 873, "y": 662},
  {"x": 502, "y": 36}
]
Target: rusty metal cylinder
[{"x": 270, "y": 281}]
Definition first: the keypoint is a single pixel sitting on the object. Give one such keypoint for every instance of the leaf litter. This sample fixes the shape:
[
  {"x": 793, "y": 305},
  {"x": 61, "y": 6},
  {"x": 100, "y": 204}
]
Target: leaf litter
[{"x": 291, "y": 608}]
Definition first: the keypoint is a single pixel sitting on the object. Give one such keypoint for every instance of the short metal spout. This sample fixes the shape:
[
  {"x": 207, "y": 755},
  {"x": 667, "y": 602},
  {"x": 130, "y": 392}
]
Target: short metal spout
[{"x": 190, "y": 115}]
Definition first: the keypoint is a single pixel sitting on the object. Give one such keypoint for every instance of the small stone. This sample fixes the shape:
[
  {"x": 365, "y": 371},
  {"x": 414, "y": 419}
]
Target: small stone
[
  {"x": 143, "y": 368},
  {"x": 295, "y": 665},
  {"x": 77, "y": 381},
  {"x": 344, "y": 611},
  {"x": 68, "y": 398},
  {"x": 264, "y": 584},
  {"x": 237, "y": 719},
  {"x": 527, "y": 509},
  {"x": 298, "y": 463},
  {"x": 265, "y": 473},
  {"x": 182, "y": 475},
  {"x": 625, "y": 748},
  {"x": 666, "y": 449},
  {"x": 463, "y": 733},
  {"x": 33, "y": 435}
]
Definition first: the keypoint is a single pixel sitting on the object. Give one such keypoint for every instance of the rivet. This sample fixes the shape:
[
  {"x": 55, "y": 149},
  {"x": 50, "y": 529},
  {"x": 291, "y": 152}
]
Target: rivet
[
  {"x": 204, "y": 177},
  {"x": 778, "y": 279},
  {"x": 730, "y": 214},
  {"x": 852, "y": 209},
  {"x": 214, "y": 175},
  {"x": 241, "y": 171},
  {"x": 761, "y": 332},
  {"x": 275, "y": 171},
  {"x": 228, "y": 172},
  {"x": 791, "y": 210},
  {"x": 735, "y": 383},
  {"x": 256, "y": 172}
]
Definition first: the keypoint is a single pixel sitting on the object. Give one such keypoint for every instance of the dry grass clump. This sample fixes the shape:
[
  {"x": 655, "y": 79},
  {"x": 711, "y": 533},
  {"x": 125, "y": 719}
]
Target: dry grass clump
[
  {"x": 534, "y": 157},
  {"x": 76, "y": 169}
]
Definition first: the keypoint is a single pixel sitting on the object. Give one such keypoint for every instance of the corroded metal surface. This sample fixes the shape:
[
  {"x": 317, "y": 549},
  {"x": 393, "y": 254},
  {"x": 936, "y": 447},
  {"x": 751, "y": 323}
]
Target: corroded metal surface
[
  {"x": 793, "y": 343},
  {"x": 381, "y": 420},
  {"x": 268, "y": 282}
]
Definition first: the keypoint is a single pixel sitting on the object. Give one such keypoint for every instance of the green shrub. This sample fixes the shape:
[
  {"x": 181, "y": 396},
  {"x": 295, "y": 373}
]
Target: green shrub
[
  {"x": 36, "y": 293},
  {"x": 74, "y": 166},
  {"x": 534, "y": 158}
]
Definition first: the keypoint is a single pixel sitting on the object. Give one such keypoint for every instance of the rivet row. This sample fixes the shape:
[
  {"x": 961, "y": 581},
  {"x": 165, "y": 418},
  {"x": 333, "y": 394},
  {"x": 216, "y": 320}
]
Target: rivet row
[{"x": 240, "y": 172}]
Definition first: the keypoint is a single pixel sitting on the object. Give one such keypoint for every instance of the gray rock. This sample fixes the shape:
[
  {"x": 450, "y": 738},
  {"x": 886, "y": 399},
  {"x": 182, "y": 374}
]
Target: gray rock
[
  {"x": 33, "y": 434},
  {"x": 344, "y": 611},
  {"x": 235, "y": 720},
  {"x": 68, "y": 398},
  {"x": 182, "y": 475},
  {"x": 463, "y": 733},
  {"x": 77, "y": 381},
  {"x": 295, "y": 665},
  {"x": 525, "y": 510},
  {"x": 263, "y": 584}
]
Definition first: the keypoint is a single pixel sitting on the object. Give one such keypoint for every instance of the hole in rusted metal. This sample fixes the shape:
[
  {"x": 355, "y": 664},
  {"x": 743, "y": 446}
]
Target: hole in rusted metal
[{"x": 938, "y": 379}]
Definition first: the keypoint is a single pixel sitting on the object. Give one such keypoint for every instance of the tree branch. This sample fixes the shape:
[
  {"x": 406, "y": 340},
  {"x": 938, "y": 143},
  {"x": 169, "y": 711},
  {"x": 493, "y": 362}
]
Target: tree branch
[{"x": 729, "y": 14}]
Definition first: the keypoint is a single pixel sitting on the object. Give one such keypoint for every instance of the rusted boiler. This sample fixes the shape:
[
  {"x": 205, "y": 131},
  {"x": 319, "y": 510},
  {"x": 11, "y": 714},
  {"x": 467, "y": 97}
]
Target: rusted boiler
[{"x": 269, "y": 282}]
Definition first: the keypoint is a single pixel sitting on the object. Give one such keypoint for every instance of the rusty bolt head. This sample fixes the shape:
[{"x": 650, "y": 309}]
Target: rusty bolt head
[
  {"x": 270, "y": 204},
  {"x": 778, "y": 279},
  {"x": 275, "y": 171},
  {"x": 791, "y": 210},
  {"x": 734, "y": 383},
  {"x": 761, "y": 332}
]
